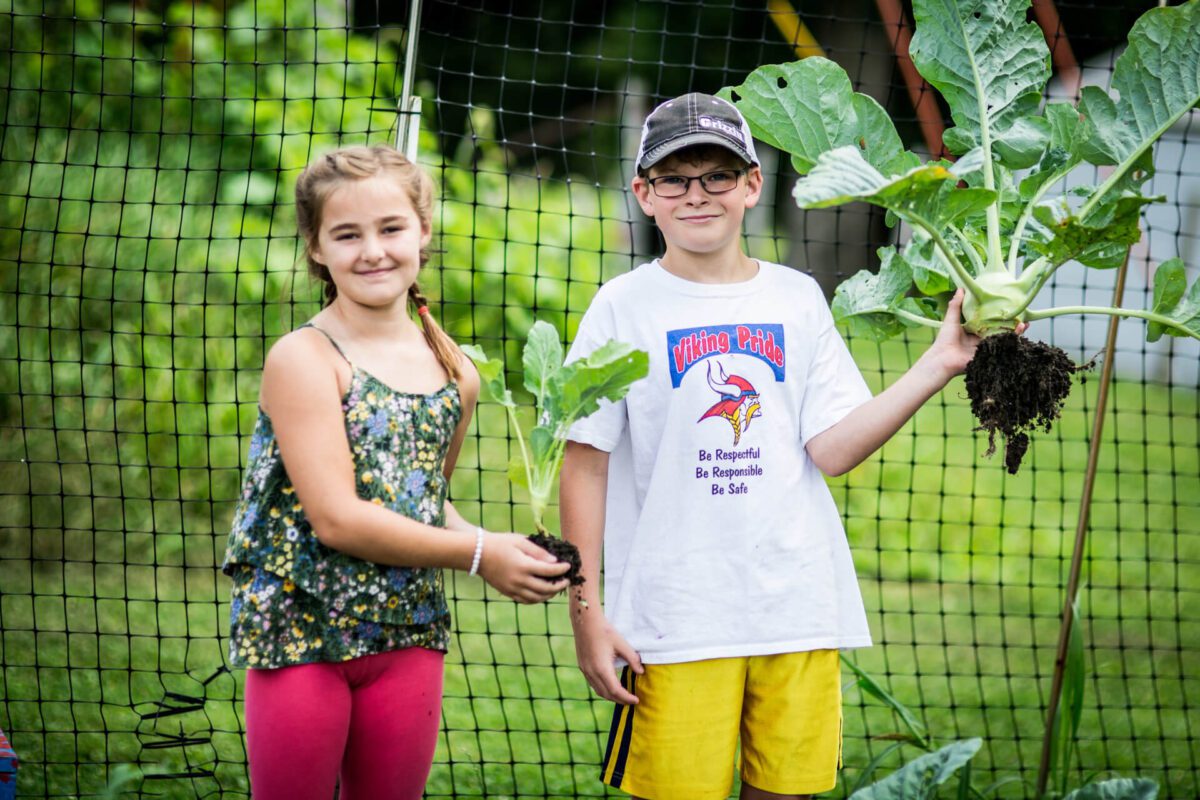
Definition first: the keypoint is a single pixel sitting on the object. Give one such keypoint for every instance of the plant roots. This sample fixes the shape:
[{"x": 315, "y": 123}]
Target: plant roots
[{"x": 1017, "y": 385}]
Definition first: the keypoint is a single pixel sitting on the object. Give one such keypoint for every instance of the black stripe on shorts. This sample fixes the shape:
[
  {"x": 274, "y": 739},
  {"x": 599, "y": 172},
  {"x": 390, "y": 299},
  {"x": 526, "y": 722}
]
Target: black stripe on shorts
[{"x": 619, "y": 735}]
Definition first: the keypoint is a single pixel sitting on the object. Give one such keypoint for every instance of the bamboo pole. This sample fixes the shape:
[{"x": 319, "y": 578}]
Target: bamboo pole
[{"x": 1081, "y": 528}]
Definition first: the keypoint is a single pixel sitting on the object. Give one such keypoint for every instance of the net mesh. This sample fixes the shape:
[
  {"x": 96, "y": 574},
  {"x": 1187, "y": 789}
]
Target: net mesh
[{"x": 147, "y": 261}]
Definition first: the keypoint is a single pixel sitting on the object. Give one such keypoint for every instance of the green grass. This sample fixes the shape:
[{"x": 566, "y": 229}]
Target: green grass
[{"x": 112, "y": 597}]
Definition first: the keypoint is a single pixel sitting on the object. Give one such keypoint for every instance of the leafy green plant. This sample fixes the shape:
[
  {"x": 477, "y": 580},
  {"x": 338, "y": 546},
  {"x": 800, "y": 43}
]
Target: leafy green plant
[
  {"x": 920, "y": 778},
  {"x": 1065, "y": 724},
  {"x": 562, "y": 395},
  {"x": 988, "y": 223}
]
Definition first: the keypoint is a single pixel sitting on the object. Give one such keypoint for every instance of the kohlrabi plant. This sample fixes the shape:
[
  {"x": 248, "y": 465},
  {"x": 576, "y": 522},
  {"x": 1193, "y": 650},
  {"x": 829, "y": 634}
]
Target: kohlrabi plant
[
  {"x": 562, "y": 395},
  {"x": 996, "y": 222}
]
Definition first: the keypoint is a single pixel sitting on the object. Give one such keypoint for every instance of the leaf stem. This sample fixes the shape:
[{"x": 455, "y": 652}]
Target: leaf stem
[
  {"x": 512, "y": 416},
  {"x": 968, "y": 247},
  {"x": 1123, "y": 167},
  {"x": 1027, "y": 212},
  {"x": 911, "y": 317},
  {"x": 1033, "y": 278},
  {"x": 964, "y": 278},
  {"x": 995, "y": 257},
  {"x": 1112, "y": 312}
]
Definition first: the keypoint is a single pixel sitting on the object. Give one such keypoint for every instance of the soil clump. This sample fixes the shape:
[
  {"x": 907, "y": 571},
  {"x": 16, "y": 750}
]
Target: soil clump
[
  {"x": 1017, "y": 385},
  {"x": 565, "y": 552}
]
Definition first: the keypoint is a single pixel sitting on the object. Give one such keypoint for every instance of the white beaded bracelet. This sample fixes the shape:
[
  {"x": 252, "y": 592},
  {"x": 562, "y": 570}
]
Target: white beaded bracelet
[{"x": 478, "y": 551}]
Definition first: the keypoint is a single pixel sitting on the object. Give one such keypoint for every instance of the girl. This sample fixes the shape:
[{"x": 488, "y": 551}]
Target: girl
[{"x": 343, "y": 528}]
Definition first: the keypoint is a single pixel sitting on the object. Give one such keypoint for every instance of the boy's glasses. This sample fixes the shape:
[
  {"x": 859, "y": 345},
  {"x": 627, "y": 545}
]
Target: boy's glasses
[{"x": 716, "y": 182}]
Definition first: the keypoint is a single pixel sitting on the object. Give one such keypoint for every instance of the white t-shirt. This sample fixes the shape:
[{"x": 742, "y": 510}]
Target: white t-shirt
[{"x": 721, "y": 538}]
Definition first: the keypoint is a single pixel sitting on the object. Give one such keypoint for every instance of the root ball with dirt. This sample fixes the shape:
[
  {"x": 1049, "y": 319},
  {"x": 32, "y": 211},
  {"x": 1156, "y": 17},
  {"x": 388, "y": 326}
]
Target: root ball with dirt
[
  {"x": 564, "y": 551},
  {"x": 1015, "y": 386}
]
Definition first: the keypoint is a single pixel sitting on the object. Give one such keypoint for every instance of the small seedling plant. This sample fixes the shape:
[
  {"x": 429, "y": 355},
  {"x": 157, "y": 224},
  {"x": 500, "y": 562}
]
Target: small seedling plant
[
  {"x": 997, "y": 221},
  {"x": 562, "y": 395}
]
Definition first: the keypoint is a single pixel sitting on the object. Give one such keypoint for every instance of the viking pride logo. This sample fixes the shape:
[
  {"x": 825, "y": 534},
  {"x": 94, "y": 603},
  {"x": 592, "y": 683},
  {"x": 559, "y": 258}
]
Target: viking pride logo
[{"x": 738, "y": 403}]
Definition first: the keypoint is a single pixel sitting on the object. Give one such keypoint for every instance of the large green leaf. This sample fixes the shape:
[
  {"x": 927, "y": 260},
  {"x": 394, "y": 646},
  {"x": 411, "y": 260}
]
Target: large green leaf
[
  {"x": 542, "y": 357},
  {"x": 808, "y": 107},
  {"x": 1172, "y": 299},
  {"x": 929, "y": 272},
  {"x": 491, "y": 376},
  {"x": 1098, "y": 241},
  {"x": 988, "y": 62},
  {"x": 920, "y": 778},
  {"x": 1158, "y": 78},
  {"x": 607, "y": 373},
  {"x": 1117, "y": 789},
  {"x": 1063, "y": 149},
  {"x": 867, "y": 302},
  {"x": 926, "y": 195}
]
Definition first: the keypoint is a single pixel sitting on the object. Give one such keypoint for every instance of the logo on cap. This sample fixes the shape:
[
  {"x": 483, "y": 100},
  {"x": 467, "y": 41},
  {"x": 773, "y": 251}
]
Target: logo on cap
[{"x": 724, "y": 127}]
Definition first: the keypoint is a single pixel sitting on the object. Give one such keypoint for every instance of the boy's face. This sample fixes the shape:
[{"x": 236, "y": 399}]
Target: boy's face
[{"x": 698, "y": 221}]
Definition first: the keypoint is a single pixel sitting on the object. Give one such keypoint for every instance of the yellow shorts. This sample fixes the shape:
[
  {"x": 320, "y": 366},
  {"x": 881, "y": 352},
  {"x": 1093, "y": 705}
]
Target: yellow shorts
[{"x": 680, "y": 740}]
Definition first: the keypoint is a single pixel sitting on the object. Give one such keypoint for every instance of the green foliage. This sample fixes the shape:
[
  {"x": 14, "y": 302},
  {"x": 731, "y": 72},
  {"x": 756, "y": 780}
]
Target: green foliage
[
  {"x": 512, "y": 243},
  {"x": 977, "y": 224},
  {"x": 916, "y": 729},
  {"x": 123, "y": 778},
  {"x": 920, "y": 778},
  {"x": 1173, "y": 299},
  {"x": 1117, "y": 789},
  {"x": 562, "y": 395}
]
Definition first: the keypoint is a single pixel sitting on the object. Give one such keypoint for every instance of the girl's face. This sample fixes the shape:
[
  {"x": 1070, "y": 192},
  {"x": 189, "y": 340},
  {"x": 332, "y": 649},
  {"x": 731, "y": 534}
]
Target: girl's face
[{"x": 370, "y": 240}]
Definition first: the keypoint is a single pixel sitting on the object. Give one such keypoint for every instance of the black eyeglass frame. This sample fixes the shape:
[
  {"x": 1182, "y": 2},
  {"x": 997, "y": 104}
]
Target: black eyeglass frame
[{"x": 738, "y": 173}]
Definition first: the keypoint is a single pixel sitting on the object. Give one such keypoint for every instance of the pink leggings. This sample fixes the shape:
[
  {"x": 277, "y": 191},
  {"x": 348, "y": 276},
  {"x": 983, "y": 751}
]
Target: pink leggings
[{"x": 372, "y": 722}]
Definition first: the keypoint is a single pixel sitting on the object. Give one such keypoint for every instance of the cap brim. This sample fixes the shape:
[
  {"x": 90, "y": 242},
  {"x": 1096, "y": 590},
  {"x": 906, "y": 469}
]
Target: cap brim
[{"x": 700, "y": 137}]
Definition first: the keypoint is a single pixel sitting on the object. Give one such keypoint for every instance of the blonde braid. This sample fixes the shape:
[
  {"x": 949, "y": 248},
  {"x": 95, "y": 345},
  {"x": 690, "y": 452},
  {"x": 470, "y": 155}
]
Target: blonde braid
[{"x": 447, "y": 351}]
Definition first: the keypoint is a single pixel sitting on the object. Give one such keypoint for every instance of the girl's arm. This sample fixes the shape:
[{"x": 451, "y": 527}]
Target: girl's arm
[
  {"x": 300, "y": 391},
  {"x": 468, "y": 393}
]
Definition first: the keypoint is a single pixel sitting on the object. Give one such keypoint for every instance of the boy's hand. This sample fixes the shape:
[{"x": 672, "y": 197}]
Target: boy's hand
[
  {"x": 596, "y": 643},
  {"x": 520, "y": 569}
]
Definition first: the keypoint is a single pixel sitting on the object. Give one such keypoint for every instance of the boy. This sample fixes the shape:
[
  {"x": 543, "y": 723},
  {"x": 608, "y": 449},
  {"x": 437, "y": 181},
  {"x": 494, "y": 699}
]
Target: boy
[{"x": 729, "y": 586}]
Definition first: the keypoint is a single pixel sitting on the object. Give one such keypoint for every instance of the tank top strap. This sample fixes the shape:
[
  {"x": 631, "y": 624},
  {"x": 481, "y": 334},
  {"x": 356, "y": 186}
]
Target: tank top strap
[{"x": 332, "y": 341}]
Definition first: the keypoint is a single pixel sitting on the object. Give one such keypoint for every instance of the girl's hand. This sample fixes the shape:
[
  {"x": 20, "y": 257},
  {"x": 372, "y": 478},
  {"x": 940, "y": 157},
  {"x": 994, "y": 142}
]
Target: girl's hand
[{"x": 520, "y": 569}]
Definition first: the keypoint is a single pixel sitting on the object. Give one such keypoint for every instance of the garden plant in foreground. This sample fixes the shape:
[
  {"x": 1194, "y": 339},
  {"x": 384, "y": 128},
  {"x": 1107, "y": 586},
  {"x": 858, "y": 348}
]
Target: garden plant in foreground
[
  {"x": 562, "y": 395},
  {"x": 920, "y": 778},
  {"x": 991, "y": 222}
]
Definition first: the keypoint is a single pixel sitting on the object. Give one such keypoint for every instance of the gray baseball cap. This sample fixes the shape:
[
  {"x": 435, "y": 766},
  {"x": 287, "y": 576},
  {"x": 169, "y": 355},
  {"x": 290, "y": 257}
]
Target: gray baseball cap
[{"x": 692, "y": 119}]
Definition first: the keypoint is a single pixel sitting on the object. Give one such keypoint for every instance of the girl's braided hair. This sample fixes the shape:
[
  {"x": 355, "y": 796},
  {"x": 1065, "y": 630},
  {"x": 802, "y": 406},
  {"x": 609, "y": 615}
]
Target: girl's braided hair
[{"x": 325, "y": 175}]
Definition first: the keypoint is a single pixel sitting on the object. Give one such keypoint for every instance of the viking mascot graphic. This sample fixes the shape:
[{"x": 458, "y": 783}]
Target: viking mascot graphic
[{"x": 738, "y": 403}]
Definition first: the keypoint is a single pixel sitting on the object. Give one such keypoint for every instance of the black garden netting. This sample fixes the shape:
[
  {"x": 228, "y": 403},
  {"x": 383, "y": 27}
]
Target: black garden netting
[{"x": 148, "y": 260}]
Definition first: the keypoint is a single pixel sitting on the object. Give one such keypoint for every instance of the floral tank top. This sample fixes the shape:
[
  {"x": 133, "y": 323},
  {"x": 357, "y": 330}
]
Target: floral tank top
[{"x": 296, "y": 601}]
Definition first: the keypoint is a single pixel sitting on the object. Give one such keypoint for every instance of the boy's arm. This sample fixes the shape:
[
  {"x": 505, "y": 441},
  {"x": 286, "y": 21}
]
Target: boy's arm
[
  {"x": 582, "y": 492},
  {"x": 843, "y": 446}
]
